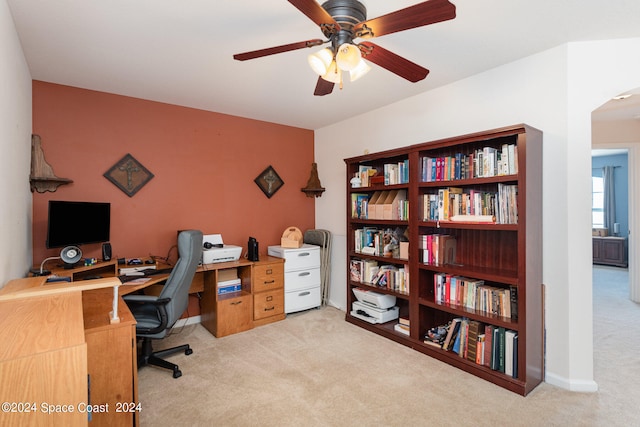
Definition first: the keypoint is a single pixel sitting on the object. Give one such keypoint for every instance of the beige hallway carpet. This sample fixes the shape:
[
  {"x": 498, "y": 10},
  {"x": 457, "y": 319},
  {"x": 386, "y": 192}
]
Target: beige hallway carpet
[{"x": 315, "y": 369}]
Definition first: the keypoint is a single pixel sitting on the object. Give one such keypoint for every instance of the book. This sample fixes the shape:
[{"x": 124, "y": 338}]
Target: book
[
  {"x": 501, "y": 349},
  {"x": 509, "y": 336},
  {"x": 514, "y": 302},
  {"x": 452, "y": 332},
  {"x": 403, "y": 329},
  {"x": 475, "y": 329},
  {"x": 495, "y": 348},
  {"x": 515, "y": 357},
  {"x": 356, "y": 267},
  {"x": 480, "y": 349}
]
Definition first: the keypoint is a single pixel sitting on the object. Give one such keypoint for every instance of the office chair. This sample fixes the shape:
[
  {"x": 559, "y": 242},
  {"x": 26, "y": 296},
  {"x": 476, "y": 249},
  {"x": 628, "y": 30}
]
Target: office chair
[{"x": 156, "y": 315}]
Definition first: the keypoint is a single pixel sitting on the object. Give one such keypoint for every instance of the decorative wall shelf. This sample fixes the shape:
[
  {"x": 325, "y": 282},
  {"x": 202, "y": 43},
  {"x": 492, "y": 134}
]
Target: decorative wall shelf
[
  {"x": 42, "y": 177},
  {"x": 313, "y": 188}
]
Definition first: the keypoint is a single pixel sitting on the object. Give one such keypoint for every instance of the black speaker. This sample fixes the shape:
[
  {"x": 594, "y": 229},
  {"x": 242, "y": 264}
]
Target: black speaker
[
  {"x": 106, "y": 251},
  {"x": 252, "y": 249}
]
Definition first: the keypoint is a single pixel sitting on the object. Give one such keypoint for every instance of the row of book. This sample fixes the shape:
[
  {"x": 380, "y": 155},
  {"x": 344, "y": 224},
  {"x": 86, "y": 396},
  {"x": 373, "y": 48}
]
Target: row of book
[
  {"x": 483, "y": 162},
  {"x": 437, "y": 249},
  {"x": 387, "y": 242},
  {"x": 391, "y": 174},
  {"x": 474, "y": 294},
  {"x": 492, "y": 346},
  {"x": 386, "y": 276},
  {"x": 457, "y": 204},
  {"x": 391, "y": 205}
]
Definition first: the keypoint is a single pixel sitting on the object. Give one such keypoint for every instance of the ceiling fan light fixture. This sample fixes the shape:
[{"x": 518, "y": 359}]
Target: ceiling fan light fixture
[
  {"x": 361, "y": 69},
  {"x": 348, "y": 56},
  {"x": 333, "y": 74},
  {"x": 320, "y": 61}
]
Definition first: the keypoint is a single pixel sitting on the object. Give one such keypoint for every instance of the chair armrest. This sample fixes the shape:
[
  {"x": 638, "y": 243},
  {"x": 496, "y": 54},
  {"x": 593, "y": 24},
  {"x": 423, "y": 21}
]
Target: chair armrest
[{"x": 144, "y": 299}]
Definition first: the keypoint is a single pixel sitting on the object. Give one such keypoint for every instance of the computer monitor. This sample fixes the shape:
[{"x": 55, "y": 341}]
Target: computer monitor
[{"x": 77, "y": 223}]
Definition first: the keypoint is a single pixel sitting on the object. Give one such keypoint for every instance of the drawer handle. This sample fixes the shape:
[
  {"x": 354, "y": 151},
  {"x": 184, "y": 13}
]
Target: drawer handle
[
  {"x": 304, "y": 294},
  {"x": 269, "y": 282},
  {"x": 304, "y": 254},
  {"x": 304, "y": 273},
  {"x": 236, "y": 302},
  {"x": 270, "y": 308}
]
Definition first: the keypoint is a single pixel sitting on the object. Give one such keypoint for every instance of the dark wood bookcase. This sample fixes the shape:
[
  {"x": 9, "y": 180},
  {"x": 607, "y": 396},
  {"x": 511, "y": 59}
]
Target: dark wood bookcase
[{"x": 505, "y": 254}]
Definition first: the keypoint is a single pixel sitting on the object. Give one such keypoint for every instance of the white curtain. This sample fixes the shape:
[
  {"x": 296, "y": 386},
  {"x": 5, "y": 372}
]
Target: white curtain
[{"x": 609, "y": 198}]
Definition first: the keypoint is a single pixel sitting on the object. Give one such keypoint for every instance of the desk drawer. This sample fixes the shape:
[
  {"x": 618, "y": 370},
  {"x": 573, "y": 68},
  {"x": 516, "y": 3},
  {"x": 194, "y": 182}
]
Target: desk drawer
[
  {"x": 308, "y": 256},
  {"x": 234, "y": 315},
  {"x": 294, "y": 280},
  {"x": 266, "y": 304},
  {"x": 302, "y": 299},
  {"x": 268, "y": 277}
]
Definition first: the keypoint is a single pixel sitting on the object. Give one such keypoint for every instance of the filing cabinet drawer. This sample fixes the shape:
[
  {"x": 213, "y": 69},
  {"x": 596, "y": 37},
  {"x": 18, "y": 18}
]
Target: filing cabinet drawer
[
  {"x": 307, "y": 256},
  {"x": 302, "y": 279},
  {"x": 268, "y": 277},
  {"x": 234, "y": 315},
  {"x": 302, "y": 299},
  {"x": 267, "y": 304}
]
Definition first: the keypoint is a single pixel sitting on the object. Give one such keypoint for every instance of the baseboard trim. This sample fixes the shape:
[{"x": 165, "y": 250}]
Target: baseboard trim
[
  {"x": 187, "y": 321},
  {"x": 582, "y": 386}
]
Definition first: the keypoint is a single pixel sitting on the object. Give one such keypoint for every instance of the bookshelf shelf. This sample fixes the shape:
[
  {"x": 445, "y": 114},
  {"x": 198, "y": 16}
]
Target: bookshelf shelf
[{"x": 488, "y": 275}]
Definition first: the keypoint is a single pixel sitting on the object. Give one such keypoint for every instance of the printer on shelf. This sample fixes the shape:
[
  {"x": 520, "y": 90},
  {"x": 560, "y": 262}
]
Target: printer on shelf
[
  {"x": 374, "y": 307},
  {"x": 214, "y": 250}
]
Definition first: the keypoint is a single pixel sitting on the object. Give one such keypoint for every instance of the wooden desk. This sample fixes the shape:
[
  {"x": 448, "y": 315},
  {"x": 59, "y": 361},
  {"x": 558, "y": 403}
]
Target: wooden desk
[
  {"x": 43, "y": 357},
  {"x": 111, "y": 359}
]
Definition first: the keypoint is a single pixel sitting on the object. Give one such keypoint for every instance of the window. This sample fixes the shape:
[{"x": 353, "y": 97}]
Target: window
[{"x": 597, "y": 202}]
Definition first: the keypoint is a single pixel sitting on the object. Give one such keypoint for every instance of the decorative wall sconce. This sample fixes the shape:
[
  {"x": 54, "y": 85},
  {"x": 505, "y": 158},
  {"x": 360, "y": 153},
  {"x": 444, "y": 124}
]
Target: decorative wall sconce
[{"x": 313, "y": 188}]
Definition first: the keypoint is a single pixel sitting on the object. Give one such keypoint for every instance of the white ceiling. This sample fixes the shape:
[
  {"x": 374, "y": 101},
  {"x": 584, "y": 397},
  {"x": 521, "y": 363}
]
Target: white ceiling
[{"x": 180, "y": 51}]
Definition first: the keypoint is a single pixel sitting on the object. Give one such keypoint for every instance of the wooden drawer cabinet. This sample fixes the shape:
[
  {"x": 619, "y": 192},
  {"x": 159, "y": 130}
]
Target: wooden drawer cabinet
[
  {"x": 260, "y": 301},
  {"x": 234, "y": 315},
  {"x": 268, "y": 304},
  {"x": 226, "y": 314},
  {"x": 268, "y": 276},
  {"x": 268, "y": 291}
]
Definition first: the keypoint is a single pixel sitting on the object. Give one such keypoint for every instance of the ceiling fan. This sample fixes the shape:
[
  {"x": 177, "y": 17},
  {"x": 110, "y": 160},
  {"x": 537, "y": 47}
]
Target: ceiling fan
[{"x": 343, "y": 21}]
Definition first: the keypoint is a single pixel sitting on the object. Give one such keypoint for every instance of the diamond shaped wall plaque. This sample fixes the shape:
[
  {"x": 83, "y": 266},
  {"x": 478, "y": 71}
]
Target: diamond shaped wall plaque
[{"x": 128, "y": 175}]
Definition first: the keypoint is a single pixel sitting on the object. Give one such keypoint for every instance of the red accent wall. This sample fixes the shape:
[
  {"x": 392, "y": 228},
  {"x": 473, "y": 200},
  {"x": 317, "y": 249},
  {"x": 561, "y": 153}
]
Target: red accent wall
[{"x": 204, "y": 165}]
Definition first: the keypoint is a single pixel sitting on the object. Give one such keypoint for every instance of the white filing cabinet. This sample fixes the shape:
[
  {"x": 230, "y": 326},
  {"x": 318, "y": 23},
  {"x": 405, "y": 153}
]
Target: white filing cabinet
[{"x": 301, "y": 276}]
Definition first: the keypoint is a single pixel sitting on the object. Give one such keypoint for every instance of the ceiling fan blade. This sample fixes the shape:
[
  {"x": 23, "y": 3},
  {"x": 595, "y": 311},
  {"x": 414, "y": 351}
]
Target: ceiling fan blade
[
  {"x": 277, "y": 49},
  {"x": 392, "y": 62},
  {"x": 425, "y": 13},
  {"x": 317, "y": 14},
  {"x": 323, "y": 87}
]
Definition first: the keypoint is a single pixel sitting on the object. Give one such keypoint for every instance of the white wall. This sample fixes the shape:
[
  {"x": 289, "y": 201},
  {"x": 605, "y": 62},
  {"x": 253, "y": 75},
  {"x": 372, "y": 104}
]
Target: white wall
[
  {"x": 554, "y": 91},
  {"x": 15, "y": 146}
]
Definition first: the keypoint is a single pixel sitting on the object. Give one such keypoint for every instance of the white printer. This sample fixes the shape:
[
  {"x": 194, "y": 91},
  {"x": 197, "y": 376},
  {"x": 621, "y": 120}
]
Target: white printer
[
  {"x": 214, "y": 250},
  {"x": 374, "y": 307}
]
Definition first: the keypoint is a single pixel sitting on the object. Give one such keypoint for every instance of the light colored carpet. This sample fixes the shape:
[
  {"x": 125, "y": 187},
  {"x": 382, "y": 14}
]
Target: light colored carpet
[{"x": 315, "y": 369}]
